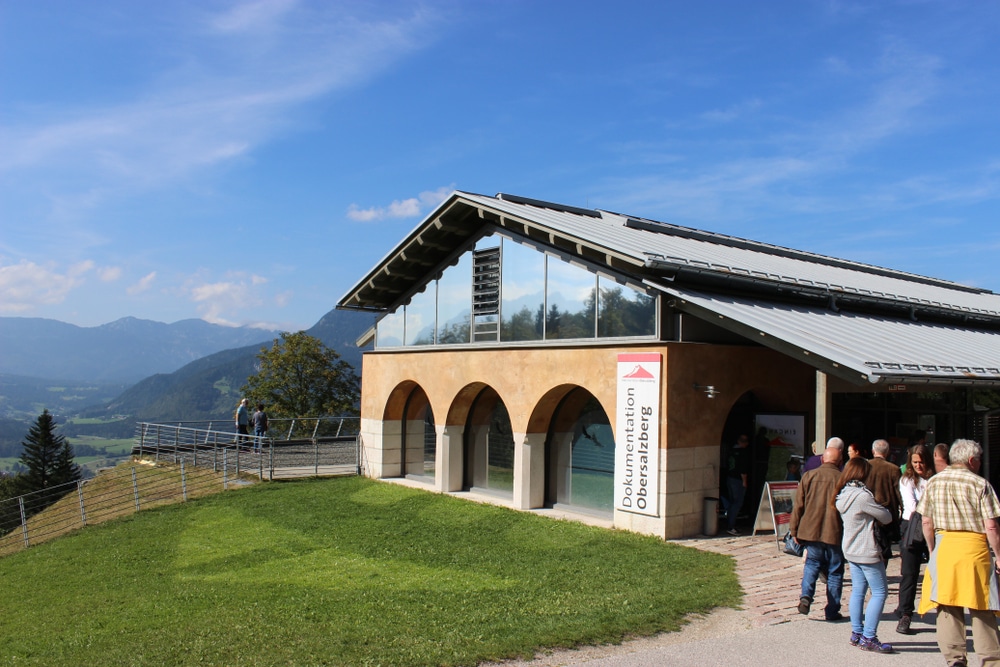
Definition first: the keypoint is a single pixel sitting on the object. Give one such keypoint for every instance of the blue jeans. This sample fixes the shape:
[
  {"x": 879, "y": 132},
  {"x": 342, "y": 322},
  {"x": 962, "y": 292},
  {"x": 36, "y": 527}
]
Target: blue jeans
[
  {"x": 863, "y": 577},
  {"x": 734, "y": 485},
  {"x": 829, "y": 558}
]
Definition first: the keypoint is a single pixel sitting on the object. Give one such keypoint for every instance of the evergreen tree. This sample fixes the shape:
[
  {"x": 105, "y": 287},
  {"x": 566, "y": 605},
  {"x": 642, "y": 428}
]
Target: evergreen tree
[{"x": 47, "y": 457}]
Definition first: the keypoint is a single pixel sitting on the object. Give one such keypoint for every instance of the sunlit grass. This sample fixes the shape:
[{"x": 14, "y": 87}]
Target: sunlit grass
[{"x": 342, "y": 572}]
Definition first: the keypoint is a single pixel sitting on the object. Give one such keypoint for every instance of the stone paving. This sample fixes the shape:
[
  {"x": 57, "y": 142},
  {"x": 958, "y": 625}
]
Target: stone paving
[{"x": 771, "y": 578}]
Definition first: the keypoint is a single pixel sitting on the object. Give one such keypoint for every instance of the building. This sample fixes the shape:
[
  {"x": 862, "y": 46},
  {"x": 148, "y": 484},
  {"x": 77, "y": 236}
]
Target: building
[{"x": 518, "y": 337}]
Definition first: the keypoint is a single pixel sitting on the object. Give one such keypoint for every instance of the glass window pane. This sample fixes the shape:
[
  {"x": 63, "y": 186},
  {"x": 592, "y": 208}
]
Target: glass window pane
[
  {"x": 572, "y": 308},
  {"x": 523, "y": 292},
  {"x": 623, "y": 311},
  {"x": 489, "y": 445},
  {"x": 420, "y": 317},
  {"x": 581, "y": 450},
  {"x": 454, "y": 299},
  {"x": 389, "y": 330}
]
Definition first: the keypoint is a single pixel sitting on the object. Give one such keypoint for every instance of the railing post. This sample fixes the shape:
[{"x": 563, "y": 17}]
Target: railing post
[
  {"x": 270, "y": 470},
  {"x": 290, "y": 429},
  {"x": 340, "y": 426},
  {"x": 184, "y": 488},
  {"x": 316, "y": 427},
  {"x": 135, "y": 489},
  {"x": 83, "y": 510},
  {"x": 225, "y": 467},
  {"x": 316, "y": 457},
  {"x": 24, "y": 522}
]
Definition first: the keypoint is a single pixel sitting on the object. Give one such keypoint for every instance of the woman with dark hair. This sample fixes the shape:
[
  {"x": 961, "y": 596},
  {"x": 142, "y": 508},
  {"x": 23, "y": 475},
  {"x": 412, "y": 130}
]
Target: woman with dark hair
[
  {"x": 859, "y": 512},
  {"x": 919, "y": 468}
]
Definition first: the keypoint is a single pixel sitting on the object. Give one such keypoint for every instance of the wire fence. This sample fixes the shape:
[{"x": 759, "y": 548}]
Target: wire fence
[
  {"x": 174, "y": 463},
  {"x": 126, "y": 489}
]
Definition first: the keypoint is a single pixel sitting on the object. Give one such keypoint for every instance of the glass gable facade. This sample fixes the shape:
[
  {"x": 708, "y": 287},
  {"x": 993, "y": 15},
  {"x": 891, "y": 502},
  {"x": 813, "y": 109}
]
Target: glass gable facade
[{"x": 502, "y": 291}]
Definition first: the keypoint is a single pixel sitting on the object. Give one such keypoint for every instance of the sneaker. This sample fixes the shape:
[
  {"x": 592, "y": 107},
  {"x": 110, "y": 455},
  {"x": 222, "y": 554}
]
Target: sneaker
[
  {"x": 874, "y": 645},
  {"x": 855, "y": 638},
  {"x": 834, "y": 617},
  {"x": 804, "y": 603},
  {"x": 903, "y": 627},
  {"x": 733, "y": 532}
]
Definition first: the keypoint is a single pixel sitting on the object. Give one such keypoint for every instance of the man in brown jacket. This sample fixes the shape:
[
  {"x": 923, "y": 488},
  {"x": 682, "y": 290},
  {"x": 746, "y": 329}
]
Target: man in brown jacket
[
  {"x": 883, "y": 481},
  {"x": 815, "y": 523}
]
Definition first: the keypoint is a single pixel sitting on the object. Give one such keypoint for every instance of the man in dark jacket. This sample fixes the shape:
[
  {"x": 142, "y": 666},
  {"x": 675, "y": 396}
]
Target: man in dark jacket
[
  {"x": 815, "y": 523},
  {"x": 883, "y": 481}
]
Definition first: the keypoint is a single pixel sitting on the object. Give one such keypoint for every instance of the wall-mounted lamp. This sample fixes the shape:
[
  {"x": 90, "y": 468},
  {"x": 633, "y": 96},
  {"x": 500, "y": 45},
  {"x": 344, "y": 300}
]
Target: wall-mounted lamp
[{"x": 709, "y": 390}]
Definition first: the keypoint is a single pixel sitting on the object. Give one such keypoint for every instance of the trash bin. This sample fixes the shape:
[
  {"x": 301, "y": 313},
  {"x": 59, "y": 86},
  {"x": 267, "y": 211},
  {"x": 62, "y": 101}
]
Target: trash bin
[{"x": 711, "y": 520}]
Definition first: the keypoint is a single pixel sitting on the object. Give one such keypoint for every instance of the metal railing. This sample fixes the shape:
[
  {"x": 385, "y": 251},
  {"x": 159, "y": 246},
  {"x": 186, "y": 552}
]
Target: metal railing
[
  {"x": 331, "y": 447},
  {"x": 282, "y": 429},
  {"x": 126, "y": 489}
]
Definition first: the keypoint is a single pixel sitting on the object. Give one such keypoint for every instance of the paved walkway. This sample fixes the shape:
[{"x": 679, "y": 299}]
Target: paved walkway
[{"x": 768, "y": 630}]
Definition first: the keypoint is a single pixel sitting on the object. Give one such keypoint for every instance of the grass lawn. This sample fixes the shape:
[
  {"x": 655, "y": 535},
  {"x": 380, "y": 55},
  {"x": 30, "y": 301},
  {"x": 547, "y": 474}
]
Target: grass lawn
[{"x": 343, "y": 571}]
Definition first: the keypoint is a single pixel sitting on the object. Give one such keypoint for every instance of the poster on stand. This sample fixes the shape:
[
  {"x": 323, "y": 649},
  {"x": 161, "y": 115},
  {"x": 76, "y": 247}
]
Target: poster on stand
[{"x": 775, "y": 509}]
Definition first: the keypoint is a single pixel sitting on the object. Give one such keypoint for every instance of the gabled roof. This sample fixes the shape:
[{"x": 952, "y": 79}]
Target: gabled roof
[{"x": 790, "y": 296}]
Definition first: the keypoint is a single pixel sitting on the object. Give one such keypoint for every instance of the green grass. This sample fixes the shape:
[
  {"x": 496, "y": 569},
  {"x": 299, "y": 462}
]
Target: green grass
[{"x": 342, "y": 572}]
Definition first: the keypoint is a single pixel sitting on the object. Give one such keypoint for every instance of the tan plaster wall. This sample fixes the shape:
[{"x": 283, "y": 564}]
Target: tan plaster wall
[{"x": 531, "y": 381}]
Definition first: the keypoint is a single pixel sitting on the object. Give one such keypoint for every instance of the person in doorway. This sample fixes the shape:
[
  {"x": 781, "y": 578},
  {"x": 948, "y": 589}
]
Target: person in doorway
[
  {"x": 242, "y": 418},
  {"x": 793, "y": 469},
  {"x": 911, "y": 554},
  {"x": 861, "y": 513},
  {"x": 941, "y": 459},
  {"x": 259, "y": 426},
  {"x": 815, "y": 524},
  {"x": 883, "y": 480},
  {"x": 960, "y": 510},
  {"x": 737, "y": 478},
  {"x": 816, "y": 460}
]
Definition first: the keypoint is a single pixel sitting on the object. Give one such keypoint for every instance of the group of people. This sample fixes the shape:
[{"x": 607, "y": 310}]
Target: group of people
[
  {"x": 244, "y": 420},
  {"x": 943, "y": 513}
]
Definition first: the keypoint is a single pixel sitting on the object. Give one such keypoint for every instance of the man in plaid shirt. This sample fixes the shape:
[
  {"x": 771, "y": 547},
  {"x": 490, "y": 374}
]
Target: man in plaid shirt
[{"x": 960, "y": 511}]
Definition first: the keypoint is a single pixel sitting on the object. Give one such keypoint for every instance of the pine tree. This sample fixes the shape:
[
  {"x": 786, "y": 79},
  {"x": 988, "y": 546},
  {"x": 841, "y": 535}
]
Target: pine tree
[{"x": 47, "y": 457}]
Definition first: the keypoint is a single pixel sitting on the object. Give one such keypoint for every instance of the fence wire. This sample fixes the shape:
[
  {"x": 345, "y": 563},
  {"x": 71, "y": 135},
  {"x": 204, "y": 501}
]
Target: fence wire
[{"x": 174, "y": 463}]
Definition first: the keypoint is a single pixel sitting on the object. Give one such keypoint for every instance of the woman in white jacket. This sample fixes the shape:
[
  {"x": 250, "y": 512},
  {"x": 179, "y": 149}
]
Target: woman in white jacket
[{"x": 859, "y": 512}]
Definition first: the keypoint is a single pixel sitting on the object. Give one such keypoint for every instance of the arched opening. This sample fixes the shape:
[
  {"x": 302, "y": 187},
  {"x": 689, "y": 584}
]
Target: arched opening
[
  {"x": 580, "y": 455},
  {"x": 419, "y": 437},
  {"x": 489, "y": 446}
]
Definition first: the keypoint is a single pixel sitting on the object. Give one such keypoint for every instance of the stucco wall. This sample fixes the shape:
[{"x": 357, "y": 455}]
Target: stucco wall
[{"x": 531, "y": 381}]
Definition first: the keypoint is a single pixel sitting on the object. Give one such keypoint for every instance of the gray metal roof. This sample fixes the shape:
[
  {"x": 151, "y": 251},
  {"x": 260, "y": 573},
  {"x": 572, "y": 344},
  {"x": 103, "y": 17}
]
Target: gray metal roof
[
  {"x": 861, "y": 322},
  {"x": 856, "y": 347}
]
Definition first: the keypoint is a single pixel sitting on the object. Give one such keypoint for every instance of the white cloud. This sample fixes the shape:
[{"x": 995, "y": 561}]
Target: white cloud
[
  {"x": 251, "y": 16},
  {"x": 219, "y": 102},
  {"x": 220, "y": 302},
  {"x": 401, "y": 208},
  {"x": 144, "y": 284},
  {"x": 26, "y": 285},
  {"x": 109, "y": 274}
]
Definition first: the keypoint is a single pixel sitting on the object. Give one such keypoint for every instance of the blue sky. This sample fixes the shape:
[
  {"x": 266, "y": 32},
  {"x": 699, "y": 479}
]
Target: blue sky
[{"x": 246, "y": 162}]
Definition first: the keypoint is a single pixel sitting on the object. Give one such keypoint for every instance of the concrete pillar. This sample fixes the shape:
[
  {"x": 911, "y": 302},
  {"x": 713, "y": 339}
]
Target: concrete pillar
[
  {"x": 823, "y": 408},
  {"x": 450, "y": 461},
  {"x": 529, "y": 470}
]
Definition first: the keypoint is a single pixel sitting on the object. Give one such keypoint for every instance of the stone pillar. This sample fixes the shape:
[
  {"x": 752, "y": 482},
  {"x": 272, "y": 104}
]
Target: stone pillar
[
  {"x": 529, "y": 470},
  {"x": 449, "y": 463},
  {"x": 823, "y": 408}
]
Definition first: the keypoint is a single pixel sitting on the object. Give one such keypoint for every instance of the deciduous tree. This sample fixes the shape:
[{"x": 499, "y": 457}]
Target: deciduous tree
[{"x": 299, "y": 376}]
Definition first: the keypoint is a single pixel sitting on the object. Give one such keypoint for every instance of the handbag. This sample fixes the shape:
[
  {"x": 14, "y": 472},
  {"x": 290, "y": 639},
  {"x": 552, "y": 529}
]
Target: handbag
[
  {"x": 791, "y": 547},
  {"x": 913, "y": 534}
]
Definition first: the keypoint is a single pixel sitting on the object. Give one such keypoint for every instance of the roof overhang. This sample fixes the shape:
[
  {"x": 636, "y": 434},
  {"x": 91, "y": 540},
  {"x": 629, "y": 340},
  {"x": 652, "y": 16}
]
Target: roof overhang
[
  {"x": 460, "y": 220},
  {"x": 860, "y": 348}
]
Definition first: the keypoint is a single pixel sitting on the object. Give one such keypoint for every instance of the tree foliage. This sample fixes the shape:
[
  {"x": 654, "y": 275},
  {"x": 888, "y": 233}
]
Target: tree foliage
[
  {"x": 47, "y": 456},
  {"x": 299, "y": 376}
]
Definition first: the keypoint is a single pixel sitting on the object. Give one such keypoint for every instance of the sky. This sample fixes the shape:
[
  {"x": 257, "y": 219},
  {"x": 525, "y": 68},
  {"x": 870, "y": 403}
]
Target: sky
[{"x": 247, "y": 162}]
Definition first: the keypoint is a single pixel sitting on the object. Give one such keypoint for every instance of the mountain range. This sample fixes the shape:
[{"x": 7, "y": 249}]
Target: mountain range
[
  {"x": 123, "y": 351},
  {"x": 189, "y": 370}
]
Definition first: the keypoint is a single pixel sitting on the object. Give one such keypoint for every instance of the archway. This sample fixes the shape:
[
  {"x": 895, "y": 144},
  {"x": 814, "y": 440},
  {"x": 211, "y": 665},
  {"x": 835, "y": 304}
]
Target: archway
[
  {"x": 489, "y": 446},
  {"x": 580, "y": 460},
  {"x": 419, "y": 436}
]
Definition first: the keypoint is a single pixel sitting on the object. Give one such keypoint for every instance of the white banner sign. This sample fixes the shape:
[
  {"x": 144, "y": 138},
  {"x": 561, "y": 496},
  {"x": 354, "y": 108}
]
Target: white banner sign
[{"x": 637, "y": 440}]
